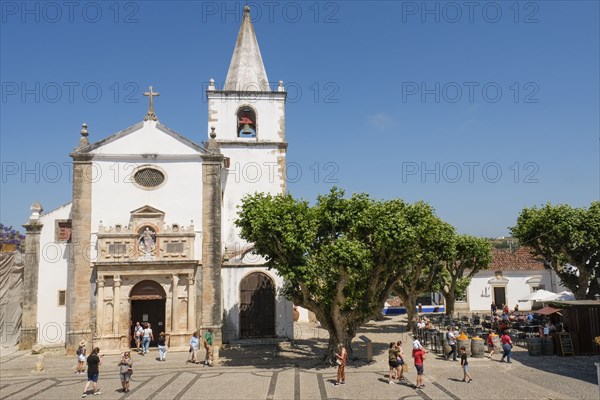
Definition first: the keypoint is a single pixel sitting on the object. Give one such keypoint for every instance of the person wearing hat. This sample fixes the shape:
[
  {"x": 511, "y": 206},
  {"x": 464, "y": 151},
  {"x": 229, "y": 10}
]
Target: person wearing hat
[{"x": 81, "y": 350}]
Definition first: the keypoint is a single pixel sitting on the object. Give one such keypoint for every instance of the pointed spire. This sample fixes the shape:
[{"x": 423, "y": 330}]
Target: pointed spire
[{"x": 246, "y": 70}]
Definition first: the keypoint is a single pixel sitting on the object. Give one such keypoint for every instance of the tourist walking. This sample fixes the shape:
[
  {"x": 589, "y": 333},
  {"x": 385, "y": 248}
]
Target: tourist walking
[
  {"x": 393, "y": 354},
  {"x": 146, "y": 338},
  {"x": 125, "y": 370},
  {"x": 162, "y": 347},
  {"x": 452, "y": 343},
  {"x": 419, "y": 357},
  {"x": 401, "y": 360},
  {"x": 208, "y": 346},
  {"x": 138, "y": 332},
  {"x": 490, "y": 344},
  {"x": 81, "y": 353},
  {"x": 464, "y": 363},
  {"x": 193, "y": 348},
  {"x": 94, "y": 361},
  {"x": 494, "y": 308},
  {"x": 340, "y": 360},
  {"x": 506, "y": 347}
]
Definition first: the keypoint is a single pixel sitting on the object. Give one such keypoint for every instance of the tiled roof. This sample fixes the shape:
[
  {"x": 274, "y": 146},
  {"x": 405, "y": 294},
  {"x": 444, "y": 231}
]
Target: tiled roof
[{"x": 519, "y": 260}]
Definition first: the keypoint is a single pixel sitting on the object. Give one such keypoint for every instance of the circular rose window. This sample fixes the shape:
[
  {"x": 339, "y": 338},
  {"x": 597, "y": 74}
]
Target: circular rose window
[{"x": 149, "y": 177}]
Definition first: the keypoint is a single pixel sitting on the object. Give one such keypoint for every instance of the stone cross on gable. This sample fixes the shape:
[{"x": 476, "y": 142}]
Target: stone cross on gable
[{"x": 150, "y": 115}]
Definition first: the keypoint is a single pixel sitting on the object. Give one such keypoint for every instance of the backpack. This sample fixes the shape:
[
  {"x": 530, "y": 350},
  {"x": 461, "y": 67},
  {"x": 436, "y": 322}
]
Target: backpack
[{"x": 79, "y": 350}]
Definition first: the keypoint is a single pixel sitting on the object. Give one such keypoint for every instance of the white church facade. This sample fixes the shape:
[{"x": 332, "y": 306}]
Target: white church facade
[{"x": 149, "y": 234}]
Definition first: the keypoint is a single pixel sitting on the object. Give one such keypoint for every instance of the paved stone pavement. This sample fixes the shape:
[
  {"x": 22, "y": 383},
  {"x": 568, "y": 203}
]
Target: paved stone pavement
[{"x": 293, "y": 371}]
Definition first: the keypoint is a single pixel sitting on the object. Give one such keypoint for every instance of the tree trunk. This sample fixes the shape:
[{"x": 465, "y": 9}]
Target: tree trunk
[
  {"x": 584, "y": 283},
  {"x": 409, "y": 303},
  {"x": 450, "y": 301},
  {"x": 339, "y": 332}
]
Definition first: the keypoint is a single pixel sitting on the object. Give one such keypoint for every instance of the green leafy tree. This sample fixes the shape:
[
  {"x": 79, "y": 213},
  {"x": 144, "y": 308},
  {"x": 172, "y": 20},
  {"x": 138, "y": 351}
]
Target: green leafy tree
[
  {"x": 469, "y": 255},
  {"x": 434, "y": 238},
  {"x": 340, "y": 257},
  {"x": 564, "y": 235}
]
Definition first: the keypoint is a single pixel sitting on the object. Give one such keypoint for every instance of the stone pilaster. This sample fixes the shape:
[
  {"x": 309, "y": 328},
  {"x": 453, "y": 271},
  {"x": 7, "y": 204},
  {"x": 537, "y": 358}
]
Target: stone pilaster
[
  {"x": 174, "y": 303},
  {"x": 29, "y": 326},
  {"x": 117, "y": 327},
  {"x": 81, "y": 305},
  {"x": 100, "y": 302},
  {"x": 209, "y": 290},
  {"x": 191, "y": 311}
]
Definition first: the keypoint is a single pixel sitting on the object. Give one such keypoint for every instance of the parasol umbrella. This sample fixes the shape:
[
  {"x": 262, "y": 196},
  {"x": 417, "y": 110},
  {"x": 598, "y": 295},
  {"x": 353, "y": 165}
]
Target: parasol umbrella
[
  {"x": 540, "y": 295},
  {"x": 547, "y": 310},
  {"x": 564, "y": 296}
]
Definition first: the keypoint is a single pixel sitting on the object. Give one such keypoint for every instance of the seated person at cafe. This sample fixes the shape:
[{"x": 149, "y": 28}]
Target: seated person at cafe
[{"x": 529, "y": 317}]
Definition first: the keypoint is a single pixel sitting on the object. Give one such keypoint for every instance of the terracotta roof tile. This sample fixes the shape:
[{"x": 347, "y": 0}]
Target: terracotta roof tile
[{"x": 518, "y": 260}]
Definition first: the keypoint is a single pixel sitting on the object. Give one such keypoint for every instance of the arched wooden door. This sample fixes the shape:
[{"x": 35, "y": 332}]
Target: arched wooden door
[
  {"x": 257, "y": 306},
  {"x": 148, "y": 301}
]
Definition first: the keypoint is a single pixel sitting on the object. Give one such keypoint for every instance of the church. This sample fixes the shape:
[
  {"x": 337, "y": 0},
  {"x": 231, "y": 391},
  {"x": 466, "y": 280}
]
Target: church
[{"x": 149, "y": 233}]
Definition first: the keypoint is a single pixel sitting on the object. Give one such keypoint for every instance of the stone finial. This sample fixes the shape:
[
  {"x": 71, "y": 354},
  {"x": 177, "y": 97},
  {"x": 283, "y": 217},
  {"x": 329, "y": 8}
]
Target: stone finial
[
  {"x": 83, "y": 141},
  {"x": 36, "y": 210},
  {"x": 213, "y": 134},
  {"x": 281, "y": 88},
  {"x": 211, "y": 85}
]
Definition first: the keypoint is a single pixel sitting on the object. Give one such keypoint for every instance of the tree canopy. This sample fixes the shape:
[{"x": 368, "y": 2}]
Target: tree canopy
[
  {"x": 563, "y": 236},
  {"x": 341, "y": 257},
  {"x": 468, "y": 256}
]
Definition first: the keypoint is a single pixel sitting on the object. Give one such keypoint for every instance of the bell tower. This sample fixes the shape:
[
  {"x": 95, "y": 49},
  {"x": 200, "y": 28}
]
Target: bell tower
[{"x": 247, "y": 120}]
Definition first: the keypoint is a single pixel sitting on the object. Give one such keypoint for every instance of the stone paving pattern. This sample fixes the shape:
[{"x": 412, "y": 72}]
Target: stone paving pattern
[{"x": 293, "y": 371}]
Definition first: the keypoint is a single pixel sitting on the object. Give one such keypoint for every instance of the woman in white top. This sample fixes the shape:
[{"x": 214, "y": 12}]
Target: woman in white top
[{"x": 146, "y": 338}]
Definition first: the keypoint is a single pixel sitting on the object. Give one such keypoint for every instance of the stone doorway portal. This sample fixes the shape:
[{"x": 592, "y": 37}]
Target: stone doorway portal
[
  {"x": 257, "y": 306},
  {"x": 148, "y": 301}
]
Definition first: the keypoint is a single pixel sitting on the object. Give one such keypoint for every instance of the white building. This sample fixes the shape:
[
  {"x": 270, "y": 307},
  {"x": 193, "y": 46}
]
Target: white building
[
  {"x": 149, "y": 234},
  {"x": 511, "y": 276}
]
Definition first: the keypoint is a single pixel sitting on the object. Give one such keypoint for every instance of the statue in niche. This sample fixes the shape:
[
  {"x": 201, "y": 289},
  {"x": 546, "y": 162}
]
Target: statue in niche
[{"x": 147, "y": 242}]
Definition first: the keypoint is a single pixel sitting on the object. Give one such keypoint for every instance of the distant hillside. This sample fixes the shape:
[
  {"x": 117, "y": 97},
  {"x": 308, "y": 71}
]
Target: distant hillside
[{"x": 505, "y": 243}]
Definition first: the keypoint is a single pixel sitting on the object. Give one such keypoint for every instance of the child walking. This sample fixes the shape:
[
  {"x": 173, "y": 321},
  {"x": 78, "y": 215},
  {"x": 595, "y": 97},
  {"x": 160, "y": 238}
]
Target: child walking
[
  {"x": 464, "y": 363},
  {"x": 490, "y": 345}
]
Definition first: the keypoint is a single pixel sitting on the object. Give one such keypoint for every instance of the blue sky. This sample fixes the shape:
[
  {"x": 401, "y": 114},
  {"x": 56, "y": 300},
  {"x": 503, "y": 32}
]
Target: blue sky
[{"x": 478, "y": 109}]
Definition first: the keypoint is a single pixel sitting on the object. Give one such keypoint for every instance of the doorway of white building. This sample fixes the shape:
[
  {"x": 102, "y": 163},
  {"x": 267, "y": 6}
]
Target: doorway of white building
[{"x": 499, "y": 295}]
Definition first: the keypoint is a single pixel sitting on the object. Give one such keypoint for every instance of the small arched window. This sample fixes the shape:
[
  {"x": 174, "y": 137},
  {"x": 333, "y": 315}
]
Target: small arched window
[{"x": 246, "y": 123}]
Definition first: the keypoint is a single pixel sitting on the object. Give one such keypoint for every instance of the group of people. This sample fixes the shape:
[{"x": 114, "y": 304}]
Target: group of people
[
  {"x": 94, "y": 360},
  {"x": 208, "y": 347},
  {"x": 142, "y": 336}
]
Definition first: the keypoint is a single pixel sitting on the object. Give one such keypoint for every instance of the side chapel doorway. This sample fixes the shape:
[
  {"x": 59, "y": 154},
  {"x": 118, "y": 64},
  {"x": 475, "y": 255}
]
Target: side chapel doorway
[
  {"x": 148, "y": 303},
  {"x": 257, "y": 306}
]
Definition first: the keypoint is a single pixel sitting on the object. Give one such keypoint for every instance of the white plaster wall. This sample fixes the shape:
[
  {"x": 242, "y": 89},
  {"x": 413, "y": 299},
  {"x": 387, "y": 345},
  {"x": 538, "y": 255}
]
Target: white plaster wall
[
  {"x": 269, "y": 109},
  {"x": 251, "y": 170},
  {"x": 114, "y": 195},
  {"x": 303, "y": 314},
  {"x": 54, "y": 261},
  {"x": 516, "y": 288},
  {"x": 231, "y": 279},
  {"x": 146, "y": 140}
]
